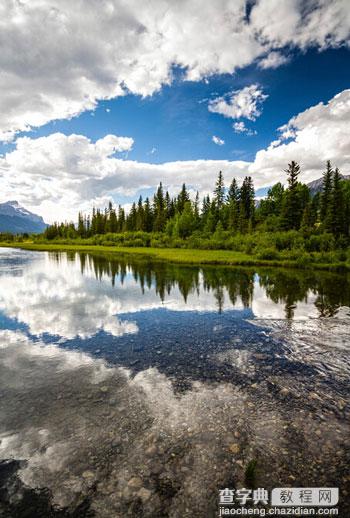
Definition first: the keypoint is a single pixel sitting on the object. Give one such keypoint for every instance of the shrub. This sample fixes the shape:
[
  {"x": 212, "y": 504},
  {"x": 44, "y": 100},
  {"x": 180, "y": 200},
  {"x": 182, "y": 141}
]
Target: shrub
[{"x": 268, "y": 254}]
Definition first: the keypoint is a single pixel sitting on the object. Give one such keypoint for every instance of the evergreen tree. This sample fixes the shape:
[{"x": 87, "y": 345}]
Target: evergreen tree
[
  {"x": 113, "y": 222},
  {"x": 121, "y": 219},
  {"x": 292, "y": 207},
  {"x": 140, "y": 217},
  {"x": 185, "y": 222},
  {"x": 182, "y": 199},
  {"x": 131, "y": 218},
  {"x": 308, "y": 219},
  {"x": 148, "y": 216},
  {"x": 196, "y": 209},
  {"x": 246, "y": 205},
  {"x": 233, "y": 206},
  {"x": 219, "y": 192},
  {"x": 337, "y": 208},
  {"x": 81, "y": 226},
  {"x": 159, "y": 210},
  {"x": 326, "y": 197}
]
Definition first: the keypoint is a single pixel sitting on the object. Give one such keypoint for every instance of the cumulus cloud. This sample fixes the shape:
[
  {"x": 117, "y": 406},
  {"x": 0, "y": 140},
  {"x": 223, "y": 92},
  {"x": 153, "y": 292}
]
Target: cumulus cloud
[
  {"x": 74, "y": 173},
  {"x": 56, "y": 299},
  {"x": 273, "y": 60},
  {"x": 217, "y": 140},
  {"x": 58, "y": 57},
  {"x": 317, "y": 134},
  {"x": 239, "y": 103},
  {"x": 240, "y": 127}
]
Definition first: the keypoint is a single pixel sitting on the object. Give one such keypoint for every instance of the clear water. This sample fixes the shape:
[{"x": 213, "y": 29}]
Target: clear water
[{"x": 132, "y": 388}]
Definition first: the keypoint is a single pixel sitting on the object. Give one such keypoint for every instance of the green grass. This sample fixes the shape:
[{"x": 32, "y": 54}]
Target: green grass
[{"x": 180, "y": 255}]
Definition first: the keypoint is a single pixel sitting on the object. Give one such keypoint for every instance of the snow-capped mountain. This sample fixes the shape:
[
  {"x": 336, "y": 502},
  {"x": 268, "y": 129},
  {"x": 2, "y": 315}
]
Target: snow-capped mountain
[
  {"x": 316, "y": 185},
  {"x": 16, "y": 219}
]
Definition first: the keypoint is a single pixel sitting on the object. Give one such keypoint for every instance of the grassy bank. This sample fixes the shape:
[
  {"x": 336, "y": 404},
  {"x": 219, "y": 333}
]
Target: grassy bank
[{"x": 185, "y": 256}]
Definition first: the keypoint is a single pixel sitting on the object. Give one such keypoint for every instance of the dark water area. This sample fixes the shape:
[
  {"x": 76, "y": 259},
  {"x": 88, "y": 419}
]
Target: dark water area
[{"x": 138, "y": 388}]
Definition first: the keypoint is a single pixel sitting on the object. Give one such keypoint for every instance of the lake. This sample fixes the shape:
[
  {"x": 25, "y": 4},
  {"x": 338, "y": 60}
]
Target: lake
[{"x": 138, "y": 388}]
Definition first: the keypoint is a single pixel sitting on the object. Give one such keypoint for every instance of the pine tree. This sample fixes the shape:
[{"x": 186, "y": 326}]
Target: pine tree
[
  {"x": 233, "y": 206},
  {"x": 131, "y": 218},
  {"x": 196, "y": 208},
  {"x": 148, "y": 216},
  {"x": 219, "y": 192},
  {"x": 121, "y": 219},
  {"x": 308, "y": 219},
  {"x": 159, "y": 210},
  {"x": 140, "y": 215},
  {"x": 246, "y": 205},
  {"x": 326, "y": 196},
  {"x": 113, "y": 223},
  {"x": 182, "y": 199},
  {"x": 337, "y": 206},
  {"x": 292, "y": 207},
  {"x": 81, "y": 226}
]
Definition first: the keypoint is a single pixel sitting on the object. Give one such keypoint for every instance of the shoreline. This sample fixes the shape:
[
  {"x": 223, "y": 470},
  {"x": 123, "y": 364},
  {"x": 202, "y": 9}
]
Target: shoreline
[{"x": 181, "y": 255}]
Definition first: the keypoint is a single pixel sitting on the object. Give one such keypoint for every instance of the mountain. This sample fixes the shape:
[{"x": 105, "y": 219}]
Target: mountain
[
  {"x": 16, "y": 219},
  {"x": 316, "y": 185}
]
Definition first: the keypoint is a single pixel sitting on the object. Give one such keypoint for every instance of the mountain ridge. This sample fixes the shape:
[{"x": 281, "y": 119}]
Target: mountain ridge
[{"x": 16, "y": 219}]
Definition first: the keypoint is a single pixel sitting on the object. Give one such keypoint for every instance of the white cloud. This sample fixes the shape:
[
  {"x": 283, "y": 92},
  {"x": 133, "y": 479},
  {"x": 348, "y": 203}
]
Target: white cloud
[
  {"x": 72, "y": 173},
  {"x": 239, "y": 103},
  {"x": 58, "y": 59},
  {"x": 273, "y": 60},
  {"x": 303, "y": 24},
  {"x": 217, "y": 140},
  {"x": 56, "y": 299},
  {"x": 240, "y": 127},
  {"x": 317, "y": 134}
]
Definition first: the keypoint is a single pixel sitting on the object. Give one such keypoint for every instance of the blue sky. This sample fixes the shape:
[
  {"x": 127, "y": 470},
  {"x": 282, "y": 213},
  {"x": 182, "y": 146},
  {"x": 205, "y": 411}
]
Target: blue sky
[
  {"x": 98, "y": 104},
  {"x": 176, "y": 124}
]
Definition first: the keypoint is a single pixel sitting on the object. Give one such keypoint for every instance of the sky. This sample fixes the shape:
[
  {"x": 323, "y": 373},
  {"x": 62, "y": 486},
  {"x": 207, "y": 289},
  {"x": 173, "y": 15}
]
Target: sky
[{"x": 103, "y": 99}]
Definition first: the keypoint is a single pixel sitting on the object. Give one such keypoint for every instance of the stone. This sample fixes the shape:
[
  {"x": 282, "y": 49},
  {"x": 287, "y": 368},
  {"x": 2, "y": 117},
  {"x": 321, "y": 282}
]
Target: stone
[
  {"x": 88, "y": 474},
  {"x": 135, "y": 483},
  {"x": 234, "y": 448},
  {"x": 144, "y": 494}
]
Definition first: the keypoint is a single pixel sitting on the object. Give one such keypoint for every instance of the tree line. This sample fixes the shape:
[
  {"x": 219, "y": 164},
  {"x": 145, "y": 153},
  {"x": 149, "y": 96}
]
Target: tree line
[{"x": 236, "y": 210}]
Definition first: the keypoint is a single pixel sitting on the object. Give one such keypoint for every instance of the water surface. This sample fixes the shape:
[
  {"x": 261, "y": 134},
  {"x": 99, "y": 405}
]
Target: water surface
[{"x": 134, "y": 388}]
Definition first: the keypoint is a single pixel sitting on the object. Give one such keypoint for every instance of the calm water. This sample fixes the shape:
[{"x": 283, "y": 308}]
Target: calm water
[{"x": 141, "y": 389}]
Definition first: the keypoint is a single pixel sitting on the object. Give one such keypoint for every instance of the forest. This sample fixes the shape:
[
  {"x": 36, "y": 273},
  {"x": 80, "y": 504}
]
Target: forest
[{"x": 289, "y": 223}]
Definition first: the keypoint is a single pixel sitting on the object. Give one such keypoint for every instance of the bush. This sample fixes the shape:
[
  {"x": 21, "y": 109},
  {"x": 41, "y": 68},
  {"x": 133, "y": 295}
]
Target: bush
[{"x": 268, "y": 254}]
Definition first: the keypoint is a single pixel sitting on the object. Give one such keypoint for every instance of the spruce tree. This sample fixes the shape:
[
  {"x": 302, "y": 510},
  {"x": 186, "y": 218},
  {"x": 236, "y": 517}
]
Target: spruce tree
[
  {"x": 233, "y": 206},
  {"x": 139, "y": 215},
  {"x": 292, "y": 207},
  {"x": 246, "y": 205},
  {"x": 337, "y": 209},
  {"x": 219, "y": 192},
  {"x": 81, "y": 226},
  {"x": 326, "y": 196},
  {"x": 159, "y": 210},
  {"x": 148, "y": 216},
  {"x": 182, "y": 199}
]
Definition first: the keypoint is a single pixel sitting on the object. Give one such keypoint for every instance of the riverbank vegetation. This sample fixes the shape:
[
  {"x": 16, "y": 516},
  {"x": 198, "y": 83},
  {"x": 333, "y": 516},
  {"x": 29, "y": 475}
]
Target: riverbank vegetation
[{"x": 291, "y": 225}]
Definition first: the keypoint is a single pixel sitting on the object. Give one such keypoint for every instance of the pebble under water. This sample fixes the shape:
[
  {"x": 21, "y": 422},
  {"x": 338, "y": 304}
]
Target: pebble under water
[{"x": 138, "y": 388}]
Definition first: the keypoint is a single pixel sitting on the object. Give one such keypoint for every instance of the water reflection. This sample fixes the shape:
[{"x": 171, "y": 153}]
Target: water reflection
[
  {"x": 132, "y": 388},
  {"x": 288, "y": 290}
]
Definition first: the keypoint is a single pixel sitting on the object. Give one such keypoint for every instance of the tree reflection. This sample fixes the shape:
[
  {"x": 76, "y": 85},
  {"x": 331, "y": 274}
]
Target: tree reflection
[{"x": 281, "y": 286}]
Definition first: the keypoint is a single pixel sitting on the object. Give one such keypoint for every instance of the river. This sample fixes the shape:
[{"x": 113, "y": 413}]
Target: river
[{"x": 138, "y": 388}]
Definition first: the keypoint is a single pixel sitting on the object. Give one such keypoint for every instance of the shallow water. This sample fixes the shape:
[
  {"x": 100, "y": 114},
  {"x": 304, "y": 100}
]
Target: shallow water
[{"x": 132, "y": 388}]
